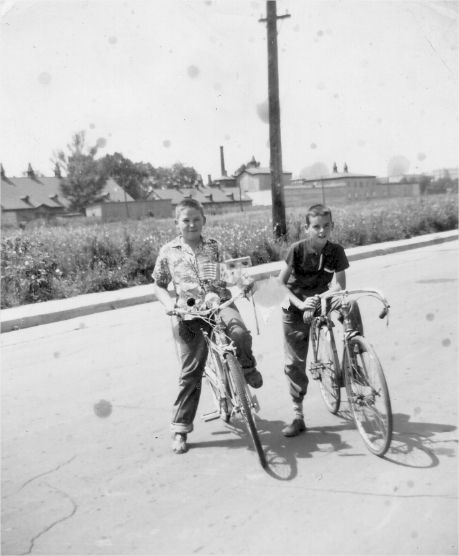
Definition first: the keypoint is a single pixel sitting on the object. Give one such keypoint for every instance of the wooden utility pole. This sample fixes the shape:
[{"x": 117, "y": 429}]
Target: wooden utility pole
[{"x": 277, "y": 183}]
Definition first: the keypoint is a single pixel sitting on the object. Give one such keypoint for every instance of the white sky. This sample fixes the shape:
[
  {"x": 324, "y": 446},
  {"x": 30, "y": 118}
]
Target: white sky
[{"x": 173, "y": 80}]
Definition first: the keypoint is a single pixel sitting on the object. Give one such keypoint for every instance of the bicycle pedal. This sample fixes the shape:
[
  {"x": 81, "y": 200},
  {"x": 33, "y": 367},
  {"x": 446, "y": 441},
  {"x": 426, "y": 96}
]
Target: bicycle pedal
[
  {"x": 255, "y": 404},
  {"x": 210, "y": 416}
]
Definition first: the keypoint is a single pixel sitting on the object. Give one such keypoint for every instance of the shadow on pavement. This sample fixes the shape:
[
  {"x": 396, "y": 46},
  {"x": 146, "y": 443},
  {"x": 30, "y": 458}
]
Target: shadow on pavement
[
  {"x": 413, "y": 445},
  {"x": 283, "y": 452}
]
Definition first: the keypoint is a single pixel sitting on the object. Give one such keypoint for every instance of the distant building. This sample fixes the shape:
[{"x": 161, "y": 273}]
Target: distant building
[
  {"x": 253, "y": 177},
  {"x": 110, "y": 211},
  {"x": 344, "y": 187},
  {"x": 215, "y": 199},
  {"x": 445, "y": 173},
  {"x": 28, "y": 198}
]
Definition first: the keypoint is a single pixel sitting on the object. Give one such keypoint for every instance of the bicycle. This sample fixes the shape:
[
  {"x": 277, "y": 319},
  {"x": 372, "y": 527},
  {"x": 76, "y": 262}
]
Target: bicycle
[
  {"x": 223, "y": 372},
  {"x": 360, "y": 373}
]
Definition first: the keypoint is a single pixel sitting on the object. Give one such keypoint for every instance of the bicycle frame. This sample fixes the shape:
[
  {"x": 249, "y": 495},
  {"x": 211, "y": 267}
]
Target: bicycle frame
[
  {"x": 344, "y": 294},
  {"x": 366, "y": 388},
  {"x": 219, "y": 346}
]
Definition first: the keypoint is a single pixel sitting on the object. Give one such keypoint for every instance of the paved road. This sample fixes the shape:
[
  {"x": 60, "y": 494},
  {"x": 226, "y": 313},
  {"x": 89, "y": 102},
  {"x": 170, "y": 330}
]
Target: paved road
[{"x": 74, "y": 482}]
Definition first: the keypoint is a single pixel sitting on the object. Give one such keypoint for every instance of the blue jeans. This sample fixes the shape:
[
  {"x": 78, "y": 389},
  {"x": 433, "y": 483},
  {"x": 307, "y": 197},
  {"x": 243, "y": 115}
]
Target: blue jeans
[
  {"x": 296, "y": 340},
  {"x": 192, "y": 350}
]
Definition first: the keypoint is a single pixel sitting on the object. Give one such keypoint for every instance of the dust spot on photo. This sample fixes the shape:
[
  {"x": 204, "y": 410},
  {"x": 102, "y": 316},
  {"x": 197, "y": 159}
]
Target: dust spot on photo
[
  {"x": 263, "y": 111},
  {"x": 414, "y": 534},
  {"x": 387, "y": 503},
  {"x": 446, "y": 342},
  {"x": 259, "y": 358},
  {"x": 217, "y": 86},
  {"x": 336, "y": 95},
  {"x": 421, "y": 156},
  {"x": 417, "y": 410},
  {"x": 208, "y": 2},
  {"x": 112, "y": 40},
  {"x": 56, "y": 355},
  {"x": 103, "y": 408},
  {"x": 166, "y": 144},
  {"x": 320, "y": 33},
  {"x": 410, "y": 484},
  {"x": 44, "y": 78},
  {"x": 398, "y": 165},
  {"x": 313, "y": 146},
  {"x": 82, "y": 325},
  {"x": 192, "y": 71},
  {"x": 430, "y": 316},
  {"x": 92, "y": 126},
  {"x": 101, "y": 142}
]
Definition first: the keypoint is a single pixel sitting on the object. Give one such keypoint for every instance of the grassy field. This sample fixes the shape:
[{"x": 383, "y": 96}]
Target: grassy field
[{"x": 56, "y": 262}]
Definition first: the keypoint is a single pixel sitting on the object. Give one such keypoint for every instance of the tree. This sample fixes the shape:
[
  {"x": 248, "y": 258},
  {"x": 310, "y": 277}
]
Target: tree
[
  {"x": 178, "y": 175},
  {"x": 136, "y": 178},
  {"x": 85, "y": 177}
]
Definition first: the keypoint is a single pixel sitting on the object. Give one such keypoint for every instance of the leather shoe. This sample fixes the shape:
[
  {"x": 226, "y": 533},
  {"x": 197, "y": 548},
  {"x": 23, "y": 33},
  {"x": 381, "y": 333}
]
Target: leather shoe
[
  {"x": 295, "y": 427},
  {"x": 254, "y": 379}
]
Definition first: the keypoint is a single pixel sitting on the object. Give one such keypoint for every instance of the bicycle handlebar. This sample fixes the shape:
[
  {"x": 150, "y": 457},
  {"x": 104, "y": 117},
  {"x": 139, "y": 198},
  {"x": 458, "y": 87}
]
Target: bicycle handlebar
[
  {"x": 205, "y": 312},
  {"x": 343, "y": 293}
]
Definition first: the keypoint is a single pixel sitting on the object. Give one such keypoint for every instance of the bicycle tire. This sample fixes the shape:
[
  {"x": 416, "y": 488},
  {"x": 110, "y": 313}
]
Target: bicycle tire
[
  {"x": 214, "y": 361},
  {"x": 368, "y": 395},
  {"x": 240, "y": 387},
  {"x": 330, "y": 372}
]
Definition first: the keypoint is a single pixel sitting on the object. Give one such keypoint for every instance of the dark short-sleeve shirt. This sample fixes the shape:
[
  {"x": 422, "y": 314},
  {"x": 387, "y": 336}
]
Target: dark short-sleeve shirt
[{"x": 312, "y": 273}]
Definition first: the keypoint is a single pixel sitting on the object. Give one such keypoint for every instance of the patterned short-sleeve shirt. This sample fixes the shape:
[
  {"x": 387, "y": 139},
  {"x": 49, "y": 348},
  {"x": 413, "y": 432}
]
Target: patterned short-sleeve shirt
[{"x": 178, "y": 263}]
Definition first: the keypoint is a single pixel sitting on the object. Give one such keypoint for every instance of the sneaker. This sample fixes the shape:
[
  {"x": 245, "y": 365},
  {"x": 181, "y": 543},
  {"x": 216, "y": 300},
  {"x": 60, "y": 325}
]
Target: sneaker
[
  {"x": 295, "y": 427},
  {"x": 179, "y": 445},
  {"x": 254, "y": 379}
]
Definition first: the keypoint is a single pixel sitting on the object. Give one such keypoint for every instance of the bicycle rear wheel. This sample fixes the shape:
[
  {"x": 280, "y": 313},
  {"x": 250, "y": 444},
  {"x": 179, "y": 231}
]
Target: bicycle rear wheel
[
  {"x": 240, "y": 386},
  {"x": 368, "y": 396},
  {"x": 329, "y": 369}
]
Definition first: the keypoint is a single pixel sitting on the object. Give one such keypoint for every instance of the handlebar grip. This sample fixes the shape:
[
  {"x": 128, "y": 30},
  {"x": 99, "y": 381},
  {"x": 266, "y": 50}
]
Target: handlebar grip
[{"x": 384, "y": 312}]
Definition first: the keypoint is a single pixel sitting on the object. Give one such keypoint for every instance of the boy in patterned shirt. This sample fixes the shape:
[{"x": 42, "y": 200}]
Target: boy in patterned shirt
[
  {"x": 307, "y": 273},
  {"x": 183, "y": 261}
]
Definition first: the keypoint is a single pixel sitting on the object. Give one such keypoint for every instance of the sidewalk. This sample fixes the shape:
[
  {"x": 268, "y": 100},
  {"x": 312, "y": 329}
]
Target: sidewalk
[{"x": 64, "y": 309}]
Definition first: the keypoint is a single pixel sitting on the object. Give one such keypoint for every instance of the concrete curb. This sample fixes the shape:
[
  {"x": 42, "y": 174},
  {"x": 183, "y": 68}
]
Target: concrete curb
[{"x": 27, "y": 316}]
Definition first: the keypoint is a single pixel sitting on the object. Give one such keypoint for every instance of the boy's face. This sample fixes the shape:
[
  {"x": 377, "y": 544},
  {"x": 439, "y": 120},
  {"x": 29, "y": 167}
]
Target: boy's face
[
  {"x": 319, "y": 229},
  {"x": 190, "y": 223}
]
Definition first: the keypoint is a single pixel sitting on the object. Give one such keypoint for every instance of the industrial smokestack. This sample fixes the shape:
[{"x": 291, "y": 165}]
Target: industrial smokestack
[{"x": 222, "y": 160}]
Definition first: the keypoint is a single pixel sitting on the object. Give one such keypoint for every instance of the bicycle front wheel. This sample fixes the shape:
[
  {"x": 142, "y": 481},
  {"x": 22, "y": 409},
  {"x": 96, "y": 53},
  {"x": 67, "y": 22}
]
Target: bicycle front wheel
[
  {"x": 240, "y": 386},
  {"x": 368, "y": 395},
  {"x": 214, "y": 373},
  {"x": 328, "y": 362}
]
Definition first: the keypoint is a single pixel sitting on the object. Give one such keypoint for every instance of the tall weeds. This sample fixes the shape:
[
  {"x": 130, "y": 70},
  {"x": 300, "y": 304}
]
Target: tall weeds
[{"x": 47, "y": 262}]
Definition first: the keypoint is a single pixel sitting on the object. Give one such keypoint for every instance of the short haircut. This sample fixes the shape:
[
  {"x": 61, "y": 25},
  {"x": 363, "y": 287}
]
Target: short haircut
[
  {"x": 188, "y": 203},
  {"x": 318, "y": 210}
]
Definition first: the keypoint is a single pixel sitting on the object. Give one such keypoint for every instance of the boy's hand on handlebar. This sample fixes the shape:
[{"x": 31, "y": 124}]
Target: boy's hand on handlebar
[{"x": 309, "y": 304}]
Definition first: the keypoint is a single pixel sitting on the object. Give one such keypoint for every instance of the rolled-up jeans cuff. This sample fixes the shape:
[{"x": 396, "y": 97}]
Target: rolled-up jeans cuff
[{"x": 181, "y": 427}]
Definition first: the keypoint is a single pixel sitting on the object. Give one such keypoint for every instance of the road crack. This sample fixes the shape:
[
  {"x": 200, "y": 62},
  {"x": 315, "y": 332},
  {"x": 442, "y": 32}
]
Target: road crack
[
  {"x": 45, "y": 473},
  {"x": 75, "y": 507}
]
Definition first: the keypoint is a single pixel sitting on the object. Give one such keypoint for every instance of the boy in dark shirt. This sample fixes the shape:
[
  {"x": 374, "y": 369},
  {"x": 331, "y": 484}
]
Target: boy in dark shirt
[{"x": 308, "y": 272}]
